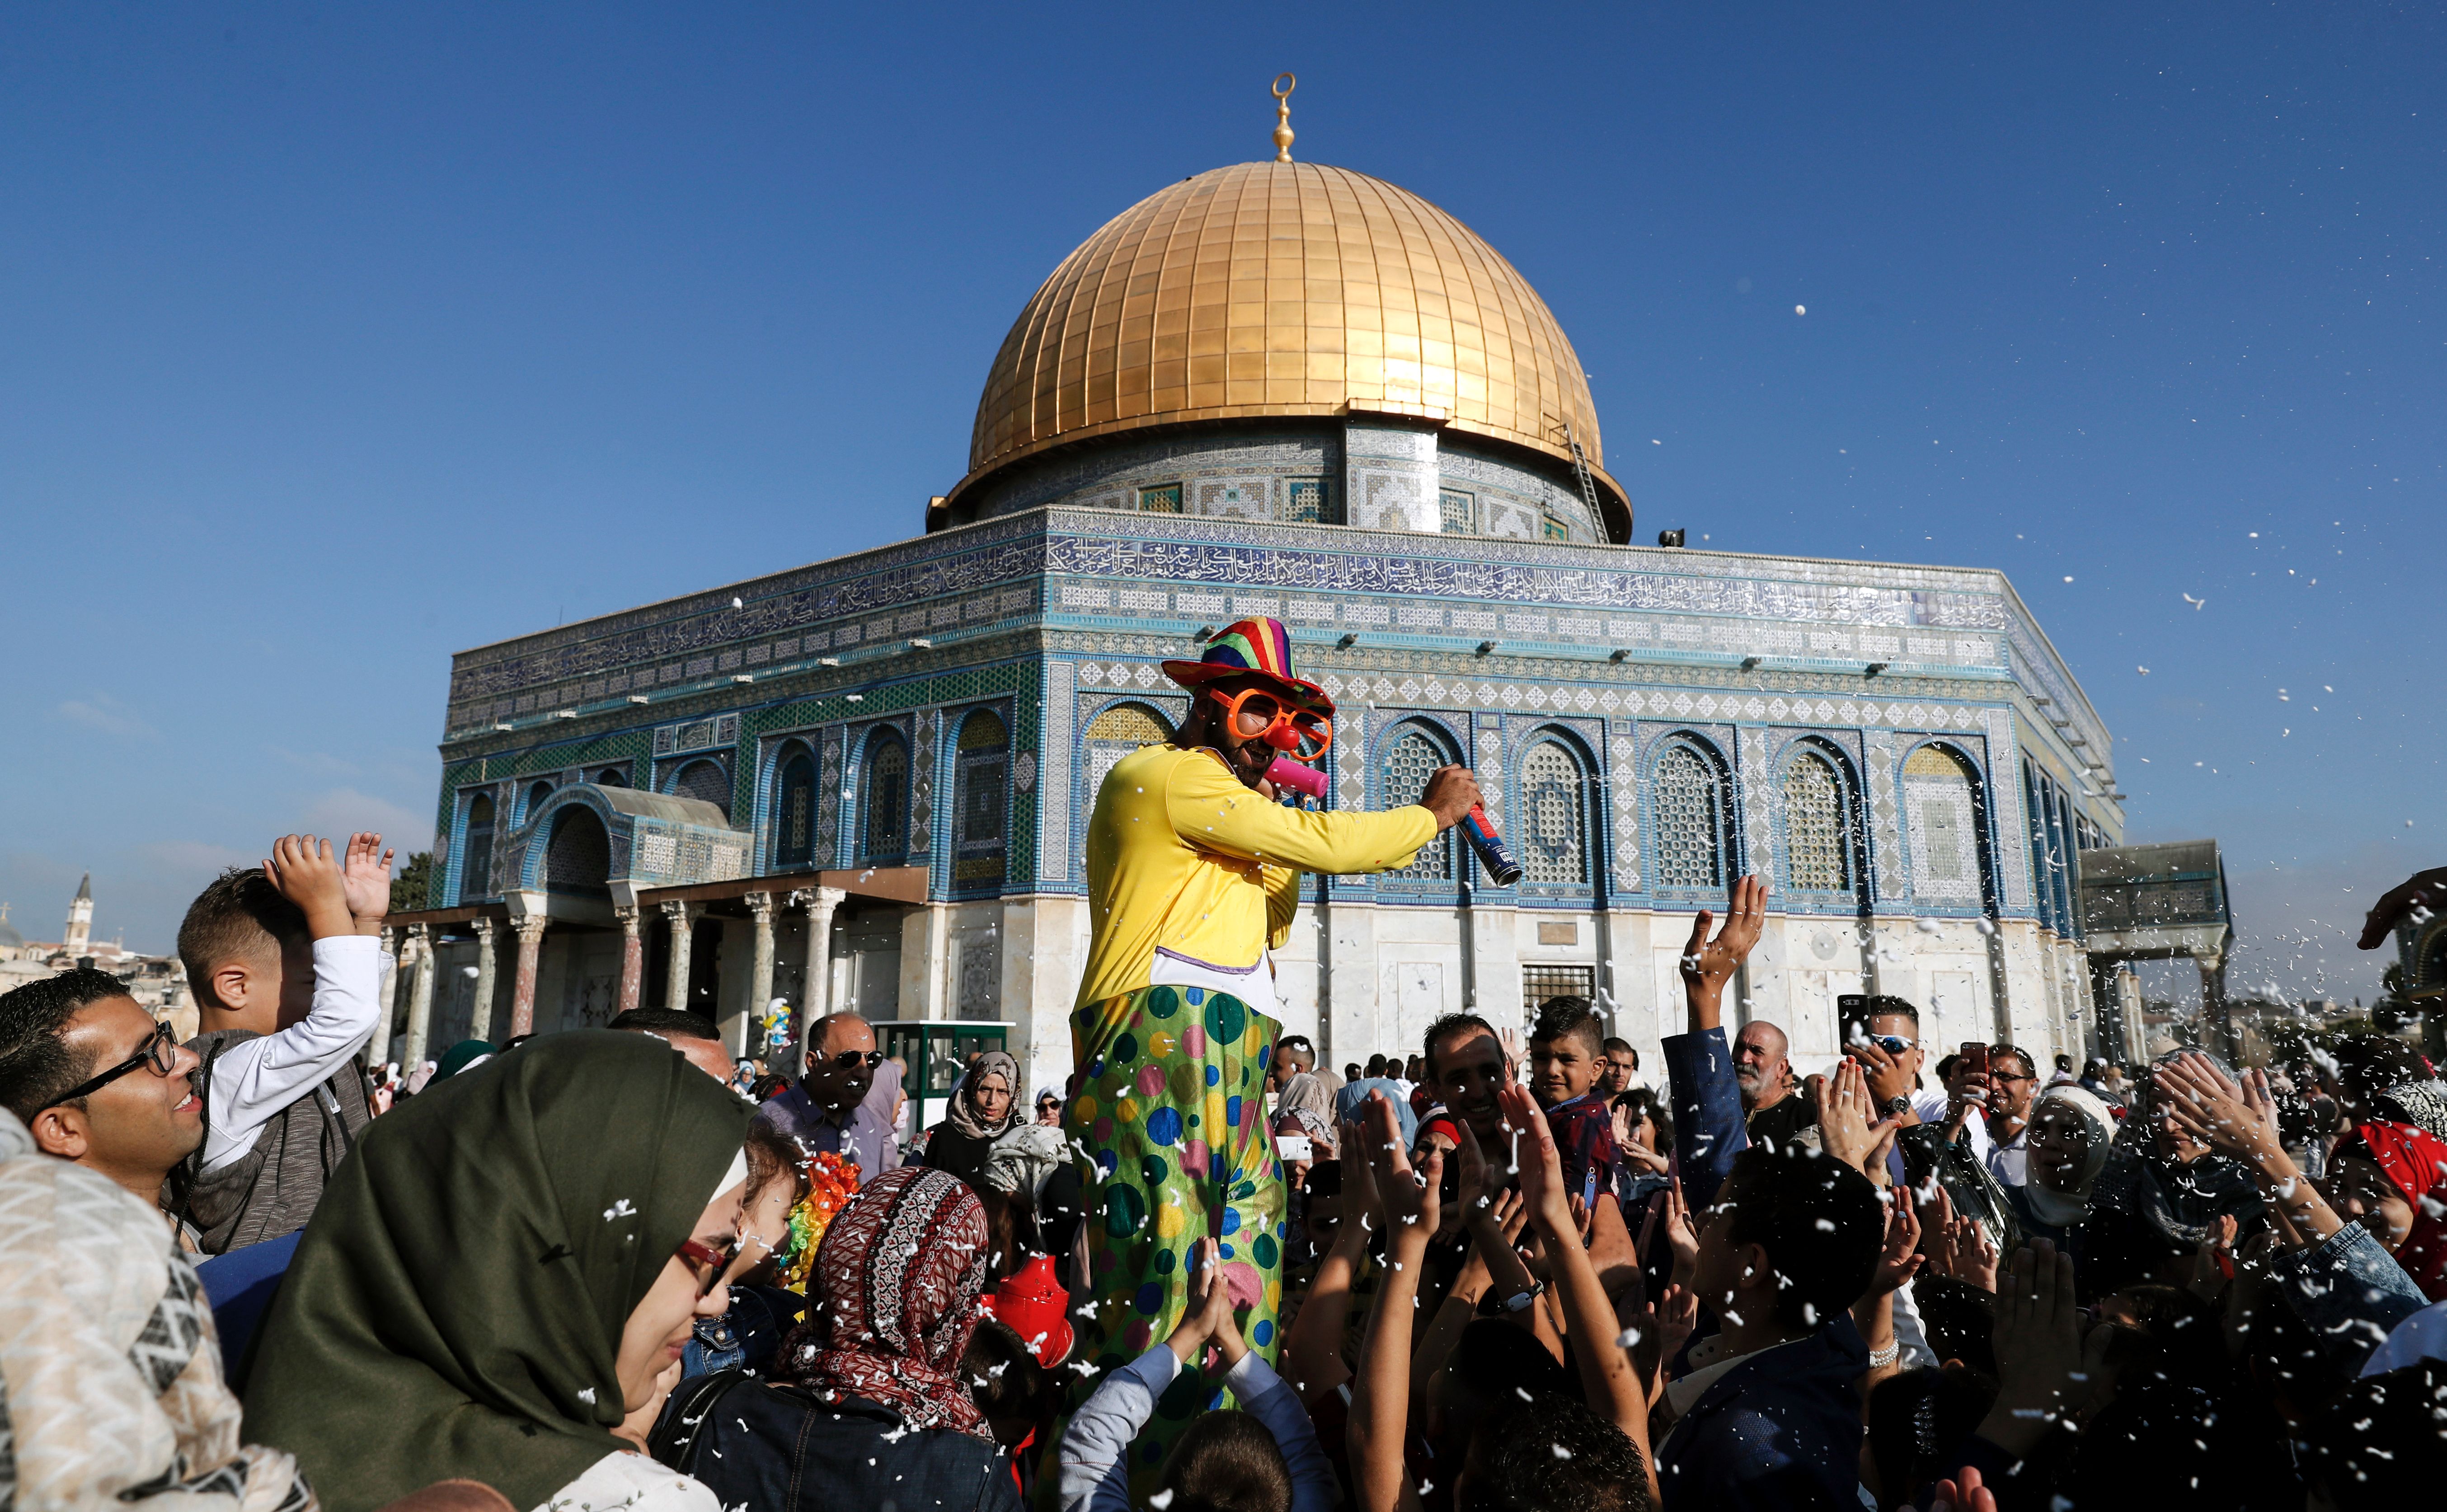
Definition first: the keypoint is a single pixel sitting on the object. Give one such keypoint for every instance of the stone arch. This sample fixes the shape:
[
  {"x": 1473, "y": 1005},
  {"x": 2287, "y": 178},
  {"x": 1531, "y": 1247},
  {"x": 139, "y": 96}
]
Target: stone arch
[
  {"x": 1819, "y": 796},
  {"x": 882, "y": 832},
  {"x": 1117, "y": 730},
  {"x": 1552, "y": 817},
  {"x": 706, "y": 780},
  {"x": 1946, "y": 827},
  {"x": 577, "y": 855},
  {"x": 981, "y": 788},
  {"x": 1690, "y": 815},
  {"x": 794, "y": 806},
  {"x": 476, "y": 850},
  {"x": 1407, "y": 751}
]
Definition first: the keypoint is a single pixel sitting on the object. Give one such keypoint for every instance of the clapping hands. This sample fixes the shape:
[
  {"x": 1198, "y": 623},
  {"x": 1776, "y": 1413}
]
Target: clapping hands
[{"x": 1209, "y": 1318}]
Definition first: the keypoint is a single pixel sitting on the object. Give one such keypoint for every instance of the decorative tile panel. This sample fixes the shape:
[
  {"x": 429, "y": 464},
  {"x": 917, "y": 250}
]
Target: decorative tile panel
[
  {"x": 1053, "y": 784},
  {"x": 1755, "y": 784},
  {"x": 1623, "y": 789},
  {"x": 2005, "y": 808},
  {"x": 1885, "y": 829}
]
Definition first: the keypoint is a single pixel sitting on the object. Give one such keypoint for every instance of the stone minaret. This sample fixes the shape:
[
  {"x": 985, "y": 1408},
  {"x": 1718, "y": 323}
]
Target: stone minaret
[{"x": 81, "y": 918}]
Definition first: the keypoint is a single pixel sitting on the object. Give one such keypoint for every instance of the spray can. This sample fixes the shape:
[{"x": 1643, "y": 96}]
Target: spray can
[{"x": 1480, "y": 831}]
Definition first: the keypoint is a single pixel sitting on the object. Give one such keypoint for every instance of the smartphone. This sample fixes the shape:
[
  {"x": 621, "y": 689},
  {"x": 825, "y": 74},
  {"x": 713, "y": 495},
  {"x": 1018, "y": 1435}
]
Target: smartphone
[
  {"x": 1852, "y": 1012},
  {"x": 1293, "y": 1148},
  {"x": 1975, "y": 1058}
]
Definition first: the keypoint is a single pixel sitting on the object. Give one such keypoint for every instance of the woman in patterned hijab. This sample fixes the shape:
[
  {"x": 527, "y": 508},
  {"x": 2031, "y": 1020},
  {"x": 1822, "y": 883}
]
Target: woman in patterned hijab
[
  {"x": 895, "y": 1299},
  {"x": 866, "y": 1405}
]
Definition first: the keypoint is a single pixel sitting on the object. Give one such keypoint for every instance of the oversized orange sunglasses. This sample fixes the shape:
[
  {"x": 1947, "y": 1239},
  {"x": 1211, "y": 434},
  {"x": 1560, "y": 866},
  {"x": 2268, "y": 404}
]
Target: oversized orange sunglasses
[{"x": 1254, "y": 714}]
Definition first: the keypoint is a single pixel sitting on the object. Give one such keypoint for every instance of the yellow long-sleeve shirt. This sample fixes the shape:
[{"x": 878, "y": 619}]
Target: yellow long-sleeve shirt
[{"x": 1183, "y": 856}]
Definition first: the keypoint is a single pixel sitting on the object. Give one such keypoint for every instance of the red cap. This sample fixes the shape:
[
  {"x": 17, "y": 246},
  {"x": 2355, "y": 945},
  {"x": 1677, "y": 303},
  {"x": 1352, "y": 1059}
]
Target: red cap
[{"x": 1033, "y": 1305}]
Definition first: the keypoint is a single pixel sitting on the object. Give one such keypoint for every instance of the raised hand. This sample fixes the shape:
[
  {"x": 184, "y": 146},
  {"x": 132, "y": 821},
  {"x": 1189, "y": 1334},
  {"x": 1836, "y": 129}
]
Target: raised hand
[
  {"x": 2038, "y": 1348},
  {"x": 1409, "y": 1197},
  {"x": 1888, "y": 1077},
  {"x": 1898, "y": 1259},
  {"x": 2415, "y": 898},
  {"x": 304, "y": 870},
  {"x": 1212, "y": 1298},
  {"x": 1845, "y": 1131},
  {"x": 1474, "y": 1193},
  {"x": 1709, "y": 964},
  {"x": 1542, "y": 1167},
  {"x": 1681, "y": 1236},
  {"x": 1665, "y": 1325},
  {"x": 2197, "y": 1100},
  {"x": 365, "y": 877},
  {"x": 1966, "y": 1252},
  {"x": 1362, "y": 1214},
  {"x": 1967, "y": 1495}
]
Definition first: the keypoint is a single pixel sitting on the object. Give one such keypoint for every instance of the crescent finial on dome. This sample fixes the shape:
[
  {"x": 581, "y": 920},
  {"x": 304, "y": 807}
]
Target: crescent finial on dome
[{"x": 1284, "y": 84}]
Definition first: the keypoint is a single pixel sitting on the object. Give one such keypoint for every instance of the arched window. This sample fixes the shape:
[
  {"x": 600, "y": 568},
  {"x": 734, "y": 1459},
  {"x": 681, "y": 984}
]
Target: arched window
[
  {"x": 579, "y": 857},
  {"x": 981, "y": 766},
  {"x": 794, "y": 810},
  {"x": 1554, "y": 817},
  {"x": 885, "y": 833},
  {"x": 1409, "y": 760},
  {"x": 1116, "y": 733},
  {"x": 611, "y": 777},
  {"x": 1818, "y": 834},
  {"x": 476, "y": 861},
  {"x": 1938, "y": 820},
  {"x": 706, "y": 782},
  {"x": 537, "y": 793},
  {"x": 1690, "y": 820}
]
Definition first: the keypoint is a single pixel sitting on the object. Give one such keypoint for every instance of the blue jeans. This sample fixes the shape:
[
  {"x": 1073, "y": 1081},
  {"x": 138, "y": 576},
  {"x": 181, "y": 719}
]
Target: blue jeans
[{"x": 748, "y": 1336}]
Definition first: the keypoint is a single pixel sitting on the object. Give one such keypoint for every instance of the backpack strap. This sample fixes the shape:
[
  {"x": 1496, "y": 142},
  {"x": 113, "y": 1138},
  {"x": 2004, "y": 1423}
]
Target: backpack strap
[{"x": 674, "y": 1439}]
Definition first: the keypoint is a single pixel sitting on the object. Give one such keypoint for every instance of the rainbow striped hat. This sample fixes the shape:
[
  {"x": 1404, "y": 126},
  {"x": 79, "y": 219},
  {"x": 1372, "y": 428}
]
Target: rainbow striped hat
[{"x": 1248, "y": 647}]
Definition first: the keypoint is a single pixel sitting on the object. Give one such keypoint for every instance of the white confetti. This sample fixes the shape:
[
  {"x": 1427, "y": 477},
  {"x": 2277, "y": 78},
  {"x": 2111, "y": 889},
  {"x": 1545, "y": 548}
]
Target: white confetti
[
  {"x": 620, "y": 1209},
  {"x": 587, "y": 1395}
]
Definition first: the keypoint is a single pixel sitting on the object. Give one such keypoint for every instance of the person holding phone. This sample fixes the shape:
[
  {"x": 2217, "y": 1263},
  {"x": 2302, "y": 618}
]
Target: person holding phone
[{"x": 1882, "y": 1033}]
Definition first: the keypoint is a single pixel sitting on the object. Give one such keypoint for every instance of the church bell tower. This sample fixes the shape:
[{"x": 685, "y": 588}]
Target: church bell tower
[{"x": 81, "y": 918}]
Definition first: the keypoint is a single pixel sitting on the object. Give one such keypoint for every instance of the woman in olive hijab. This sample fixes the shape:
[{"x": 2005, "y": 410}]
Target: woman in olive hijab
[{"x": 495, "y": 1279}]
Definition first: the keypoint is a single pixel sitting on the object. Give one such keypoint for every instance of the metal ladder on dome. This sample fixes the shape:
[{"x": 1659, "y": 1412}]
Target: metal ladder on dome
[{"x": 1581, "y": 470}]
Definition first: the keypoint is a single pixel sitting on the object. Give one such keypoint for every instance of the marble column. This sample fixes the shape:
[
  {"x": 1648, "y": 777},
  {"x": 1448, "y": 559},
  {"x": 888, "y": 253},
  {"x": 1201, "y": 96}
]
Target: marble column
[
  {"x": 815, "y": 991},
  {"x": 394, "y": 946},
  {"x": 683, "y": 921},
  {"x": 632, "y": 958},
  {"x": 523, "y": 986},
  {"x": 479, "y": 1021},
  {"x": 760, "y": 966},
  {"x": 419, "y": 995}
]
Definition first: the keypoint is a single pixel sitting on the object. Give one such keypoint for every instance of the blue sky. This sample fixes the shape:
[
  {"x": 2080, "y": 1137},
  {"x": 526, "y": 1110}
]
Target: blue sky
[{"x": 334, "y": 342}]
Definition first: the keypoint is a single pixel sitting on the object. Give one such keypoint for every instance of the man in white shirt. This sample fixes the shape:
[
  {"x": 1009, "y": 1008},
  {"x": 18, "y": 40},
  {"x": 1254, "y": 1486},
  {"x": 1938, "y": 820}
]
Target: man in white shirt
[
  {"x": 1892, "y": 1056},
  {"x": 2013, "y": 1084},
  {"x": 287, "y": 968}
]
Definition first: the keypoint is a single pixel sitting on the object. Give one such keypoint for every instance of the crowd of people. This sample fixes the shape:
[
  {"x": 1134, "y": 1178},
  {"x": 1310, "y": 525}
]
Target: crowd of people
[{"x": 1502, "y": 1272}]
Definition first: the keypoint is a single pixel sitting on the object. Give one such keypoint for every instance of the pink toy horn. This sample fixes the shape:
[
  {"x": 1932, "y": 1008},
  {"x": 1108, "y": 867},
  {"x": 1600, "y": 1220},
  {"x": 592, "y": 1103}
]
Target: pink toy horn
[{"x": 1297, "y": 775}]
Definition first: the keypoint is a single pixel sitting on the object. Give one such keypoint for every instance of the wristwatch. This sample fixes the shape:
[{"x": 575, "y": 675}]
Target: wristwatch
[
  {"x": 1897, "y": 1104},
  {"x": 1491, "y": 1306}
]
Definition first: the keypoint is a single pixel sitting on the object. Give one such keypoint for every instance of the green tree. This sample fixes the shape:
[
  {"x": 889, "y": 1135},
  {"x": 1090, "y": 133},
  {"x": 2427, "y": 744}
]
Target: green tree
[{"x": 408, "y": 889}]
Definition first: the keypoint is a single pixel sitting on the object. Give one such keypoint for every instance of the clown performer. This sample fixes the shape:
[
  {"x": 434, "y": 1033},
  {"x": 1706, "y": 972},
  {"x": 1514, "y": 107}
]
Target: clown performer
[{"x": 1193, "y": 873}]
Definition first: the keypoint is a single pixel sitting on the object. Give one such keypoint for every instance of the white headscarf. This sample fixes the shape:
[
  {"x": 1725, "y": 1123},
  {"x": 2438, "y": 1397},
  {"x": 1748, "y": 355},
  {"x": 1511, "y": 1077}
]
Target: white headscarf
[{"x": 2067, "y": 1207}]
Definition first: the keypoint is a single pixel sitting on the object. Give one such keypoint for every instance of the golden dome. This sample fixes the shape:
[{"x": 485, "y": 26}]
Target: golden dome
[{"x": 1286, "y": 288}]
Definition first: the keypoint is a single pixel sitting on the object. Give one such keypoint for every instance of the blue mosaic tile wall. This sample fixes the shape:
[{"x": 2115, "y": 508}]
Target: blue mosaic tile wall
[{"x": 1050, "y": 614}]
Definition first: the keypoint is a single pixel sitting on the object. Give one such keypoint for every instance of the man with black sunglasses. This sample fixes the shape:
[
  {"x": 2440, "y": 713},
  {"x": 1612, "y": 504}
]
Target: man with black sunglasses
[
  {"x": 825, "y": 1110},
  {"x": 97, "y": 1081}
]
